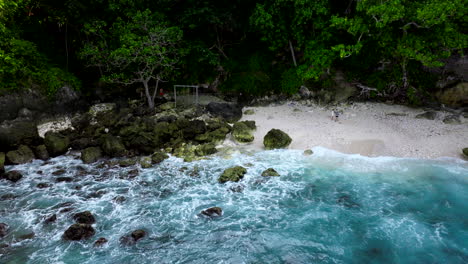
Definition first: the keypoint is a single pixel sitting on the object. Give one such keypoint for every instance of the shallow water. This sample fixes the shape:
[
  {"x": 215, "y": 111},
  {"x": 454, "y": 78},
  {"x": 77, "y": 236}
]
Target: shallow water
[{"x": 324, "y": 208}]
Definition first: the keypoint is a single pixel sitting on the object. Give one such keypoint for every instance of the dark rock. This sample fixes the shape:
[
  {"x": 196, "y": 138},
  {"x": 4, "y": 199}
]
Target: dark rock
[
  {"x": 230, "y": 112},
  {"x": 41, "y": 152},
  {"x": 138, "y": 234},
  {"x": 27, "y": 236},
  {"x": 43, "y": 185},
  {"x": 56, "y": 143},
  {"x": 91, "y": 155},
  {"x": 119, "y": 199},
  {"x": 50, "y": 219},
  {"x": 84, "y": 218},
  {"x": 465, "y": 152},
  {"x": 431, "y": 115},
  {"x": 3, "y": 229},
  {"x": 64, "y": 179},
  {"x": 270, "y": 173},
  {"x": 346, "y": 201},
  {"x": 59, "y": 172},
  {"x": 233, "y": 174},
  {"x": 212, "y": 212},
  {"x": 79, "y": 232},
  {"x": 66, "y": 210},
  {"x": 146, "y": 162},
  {"x": 82, "y": 143},
  {"x": 133, "y": 237},
  {"x": 97, "y": 194},
  {"x": 237, "y": 188},
  {"x": 158, "y": 157},
  {"x": 2, "y": 162},
  {"x": 452, "y": 120},
  {"x": 127, "y": 162},
  {"x": 275, "y": 139},
  {"x": 22, "y": 155},
  {"x": 113, "y": 147},
  {"x": 100, "y": 242},
  {"x": 8, "y": 196},
  {"x": 16, "y": 133},
  {"x": 194, "y": 128},
  {"x": 304, "y": 92},
  {"x": 12, "y": 176}
]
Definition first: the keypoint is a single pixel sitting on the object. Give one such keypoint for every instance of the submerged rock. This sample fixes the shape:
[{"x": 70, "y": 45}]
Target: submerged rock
[
  {"x": 56, "y": 143},
  {"x": 50, "y": 219},
  {"x": 276, "y": 139},
  {"x": 431, "y": 115},
  {"x": 452, "y": 120},
  {"x": 12, "y": 176},
  {"x": 59, "y": 172},
  {"x": 233, "y": 174},
  {"x": 230, "y": 112},
  {"x": 113, "y": 147},
  {"x": 64, "y": 179},
  {"x": 133, "y": 237},
  {"x": 100, "y": 242},
  {"x": 308, "y": 152},
  {"x": 27, "y": 236},
  {"x": 212, "y": 212},
  {"x": 84, "y": 218},
  {"x": 3, "y": 229},
  {"x": 79, "y": 232},
  {"x": 270, "y": 173},
  {"x": 22, "y": 155},
  {"x": 91, "y": 155},
  {"x": 146, "y": 162},
  {"x": 43, "y": 185},
  {"x": 41, "y": 152}
]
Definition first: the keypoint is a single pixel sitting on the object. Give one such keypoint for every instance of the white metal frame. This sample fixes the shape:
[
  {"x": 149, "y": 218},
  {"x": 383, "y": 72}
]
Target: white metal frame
[{"x": 185, "y": 86}]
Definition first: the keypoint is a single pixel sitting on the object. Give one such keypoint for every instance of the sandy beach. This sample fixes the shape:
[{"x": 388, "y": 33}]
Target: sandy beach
[{"x": 370, "y": 129}]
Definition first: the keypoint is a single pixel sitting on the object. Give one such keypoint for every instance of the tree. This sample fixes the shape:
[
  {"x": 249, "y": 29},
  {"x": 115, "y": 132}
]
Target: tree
[{"x": 142, "y": 50}]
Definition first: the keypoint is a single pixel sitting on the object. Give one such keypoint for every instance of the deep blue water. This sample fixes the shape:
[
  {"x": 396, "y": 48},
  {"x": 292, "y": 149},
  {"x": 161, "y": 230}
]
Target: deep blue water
[{"x": 324, "y": 208}]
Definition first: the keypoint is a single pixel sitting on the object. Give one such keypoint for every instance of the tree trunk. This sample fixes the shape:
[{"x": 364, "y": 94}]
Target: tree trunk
[
  {"x": 292, "y": 53},
  {"x": 147, "y": 93}
]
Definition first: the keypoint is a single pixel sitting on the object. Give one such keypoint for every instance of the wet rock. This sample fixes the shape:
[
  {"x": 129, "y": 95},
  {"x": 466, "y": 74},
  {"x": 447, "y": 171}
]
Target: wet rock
[
  {"x": 41, "y": 152},
  {"x": 79, "y": 232},
  {"x": 233, "y": 174},
  {"x": 431, "y": 115},
  {"x": 138, "y": 234},
  {"x": 56, "y": 143},
  {"x": 22, "y": 155},
  {"x": 59, "y": 172},
  {"x": 127, "y": 162},
  {"x": 158, "y": 157},
  {"x": 91, "y": 155},
  {"x": 193, "y": 129},
  {"x": 276, "y": 139},
  {"x": 26, "y": 236},
  {"x": 97, "y": 194},
  {"x": 2, "y": 162},
  {"x": 130, "y": 174},
  {"x": 50, "y": 219},
  {"x": 12, "y": 176},
  {"x": 84, "y": 218},
  {"x": 146, "y": 162},
  {"x": 212, "y": 212},
  {"x": 308, "y": 152},
  {"x": 270, "y": 173},
  {"x": 8, "y": 196},
  {"x": 133, "y": 237},
  {"x": 3, "y": 229},
  {"x": 230, "y": 112},
  {"x": 64, "y": 179},
  {"x": 452, "y": 120},
  {"x": 249, "y": 112},
  {"x": 119, "y": 199},
  {"x": 113, "y": 147},
  {"x": 465, "y": 152},
  {"x": 66, "y": 210},
  {"x": 242, "y": 132},
  {"x": 237, "y": 188},
  {"x": 206, "y": 149},
  {"x": 100, "y": 242},
  {"x": 43, "y": 185}
]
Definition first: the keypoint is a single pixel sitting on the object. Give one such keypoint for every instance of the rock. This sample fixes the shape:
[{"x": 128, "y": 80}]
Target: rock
[
  {"x": 455, "y": 96},
  {"x": 193, "y": 129},
  {"x": 64, "y": 179},
  {"x": 91, "y": 155},
  {"x": 100, "y": 242},
  {"x": 343, "y": 90},
  {"x": 233, "y": 174},
  {"x": 43, "y": 185},
  {"x": 84, "y": 218},
  {"x": 113, "y": 147},
  {"x": 304, "y": 92},
  {"x": 308, "y": 152},
  {"x": 452, "y": 120},
  {"x": 275, "y": 139},
  {"x": 50, "y": 219},
  {"x": 250, "y": 124},
  {"x": 206, "y": 149},
  {"x": 22, "y": 155},
  {"x": 18, "y": 132},
  {"x": 100, "y": 108},
  {"x": 12, "y": 176},
  {"x": 3, "y": 229},
  {"x": 249, "y": 112},
  {"x": 2, "y": 162},
  {"x": 146, "y": 162},
  {"x": 56, "y": 143},
  {"x": 26, "y": 236},
  {"x": 270, "y": 173},
  {"x": 158, "y": 157},
  {"x": 427, "y": 115},
  {"x": 186, "y": 152},
  {"x": 59, "y": 172},
  {"x": 166, "y": 106},
  {"x": 127, "y": 162},
  {"x": 41, "y": 152},
  {"x": 465, "y": 152},
  {"x": 82, "y": 143},
  {"x": 242, "y": 133},
  {"x": 212, "y": 212},
  {"x": 133, "y": 237},
  {"x": 79, "y": 232},
  {"x": 230, "y": 112},
  {"x": 119, "y": 199}
]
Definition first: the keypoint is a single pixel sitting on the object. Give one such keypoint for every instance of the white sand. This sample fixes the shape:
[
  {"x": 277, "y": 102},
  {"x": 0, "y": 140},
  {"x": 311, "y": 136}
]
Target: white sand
[{"x": 370, "y": 129}]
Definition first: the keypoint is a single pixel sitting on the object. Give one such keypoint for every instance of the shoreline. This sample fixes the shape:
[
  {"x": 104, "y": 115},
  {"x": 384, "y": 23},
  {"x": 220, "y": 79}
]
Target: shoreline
[{"x": 368, "y": 129}]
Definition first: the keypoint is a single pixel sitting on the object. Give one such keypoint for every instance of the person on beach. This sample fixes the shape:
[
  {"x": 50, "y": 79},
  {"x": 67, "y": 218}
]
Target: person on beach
[{"x": 334, "y": 115}]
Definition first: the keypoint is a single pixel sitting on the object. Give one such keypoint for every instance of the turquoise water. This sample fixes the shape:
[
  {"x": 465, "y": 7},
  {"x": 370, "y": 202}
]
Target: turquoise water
[{"x": 324, "y": 208}]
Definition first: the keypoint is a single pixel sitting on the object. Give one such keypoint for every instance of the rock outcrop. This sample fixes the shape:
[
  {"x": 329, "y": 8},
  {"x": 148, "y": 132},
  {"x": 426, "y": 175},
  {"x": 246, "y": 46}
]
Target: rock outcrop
[
  {"x": 22, "y": 155},
  {"x": 79, "y": 232},
  {"x": 229, "y": 112}
]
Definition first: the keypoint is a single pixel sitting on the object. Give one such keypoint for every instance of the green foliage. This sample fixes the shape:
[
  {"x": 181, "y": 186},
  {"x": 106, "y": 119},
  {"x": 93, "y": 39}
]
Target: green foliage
[{"x": 290, "y": 82}]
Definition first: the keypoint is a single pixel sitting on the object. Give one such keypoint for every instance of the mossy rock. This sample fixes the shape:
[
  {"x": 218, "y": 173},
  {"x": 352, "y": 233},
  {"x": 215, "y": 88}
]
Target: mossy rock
[
  {"x": 158, "y": 157},
  {"x": 270, "y": 173},
  {"x": 127, "y": 162},
  {"x": 167, "y": 106},
  {"x": 250, "y": 124},
  {"x": 276, "y": 139},
  {"x": 57, "y": 144},
  {"x": 242, "y": 133},
  {"x": 249, "y": 112},
  {"x": 194, "y": 128},
  {"x": 186, "y": 152},
  {"x": 2, "y": 162},
  {"x": 206, "y": 149},
  {"x": 113, "y": 146},
  {"x": 22, "y": 155},
  {"x": 146, "y": 162},
  {"x": 465, "y": 152},
  {"x": 41, "y": 152},
  {"x": 308, "y": 152},
  {"x": 91, "y": 155},
  {"x": 217, "y": 136},
  {"x": 233, "y": 174}
]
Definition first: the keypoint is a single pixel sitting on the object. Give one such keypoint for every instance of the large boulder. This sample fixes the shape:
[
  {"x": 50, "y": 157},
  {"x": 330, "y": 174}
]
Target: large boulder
[
  {"x": 276, "y": 139},
  {"x": 270, "y": 172},
  {"x": 2, "y": 162},
  {"x": 455, "y": 96},
  {"x": 158, "y": 157},
  {"x": 113, "y": 147},
  {"x": 56, "y": 143},
  {"x": 12, "y": 176},
  {"x": 465, "y": 152},
  {"x": 230, "y": 112},
  {"x": 242, "y": 131},
  {"x": 41, "y": 152},
  {"x": 91, "y": 155},
  {"x": 233, "y": 174},
  {"x": 79, "y": 232},
  {"x": 16, "y": 133},
  {"x": 84, "y": 218},
  {"x": 3, "y": 229},
  {"x": 22, "y": 155}
]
